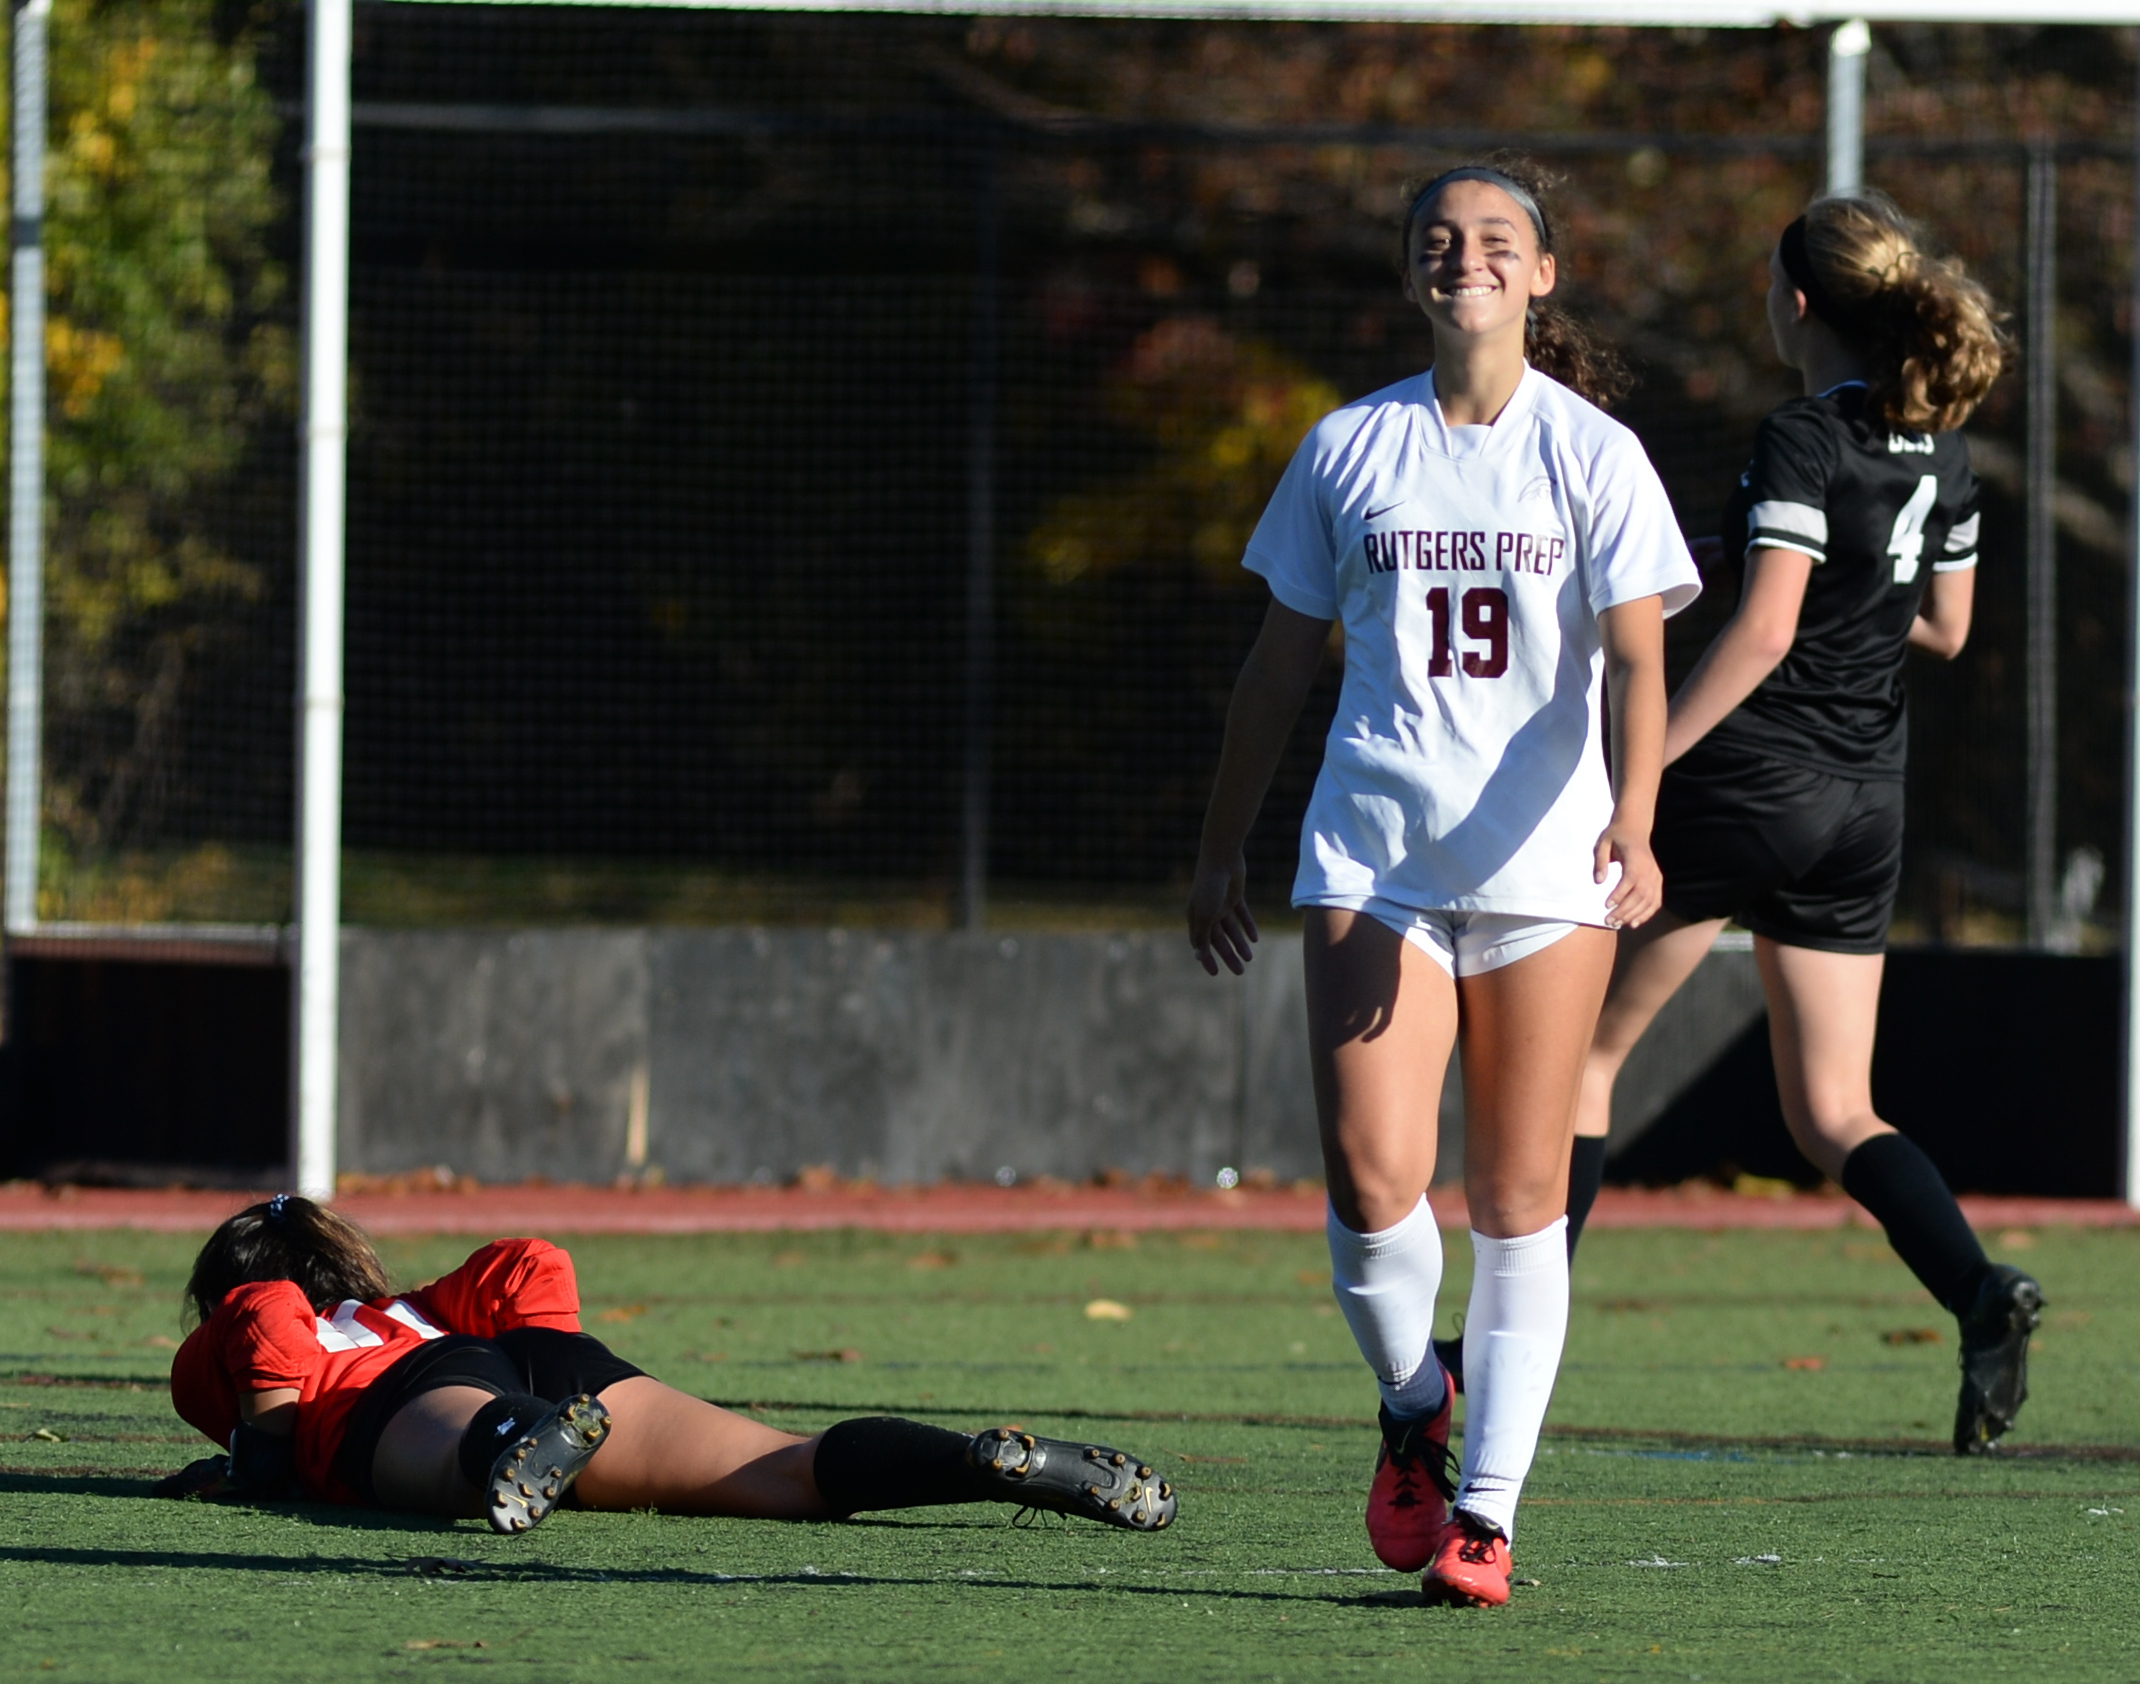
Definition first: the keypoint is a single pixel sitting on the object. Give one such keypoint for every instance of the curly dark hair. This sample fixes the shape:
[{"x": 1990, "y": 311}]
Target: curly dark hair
[
  {"x": 1555, "y": 342},
  {"x": 287, "y": 1238}
]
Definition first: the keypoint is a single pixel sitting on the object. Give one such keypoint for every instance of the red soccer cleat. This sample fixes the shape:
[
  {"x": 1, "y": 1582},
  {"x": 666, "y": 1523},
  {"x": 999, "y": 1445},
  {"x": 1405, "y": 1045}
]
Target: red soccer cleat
[
  {"x": 1471, "y": 1568},
  {"x": 1408, "y": 1504}
]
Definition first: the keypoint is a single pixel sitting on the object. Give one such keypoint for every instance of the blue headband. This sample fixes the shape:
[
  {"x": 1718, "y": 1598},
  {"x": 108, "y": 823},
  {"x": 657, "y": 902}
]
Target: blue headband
[
  {"x": 278, "y": 1207},
  {"x": 1493, "y": 178}
]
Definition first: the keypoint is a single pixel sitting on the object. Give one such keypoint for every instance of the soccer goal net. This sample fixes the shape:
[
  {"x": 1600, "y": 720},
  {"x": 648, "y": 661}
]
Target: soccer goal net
[{"x": 799, "y": 463}]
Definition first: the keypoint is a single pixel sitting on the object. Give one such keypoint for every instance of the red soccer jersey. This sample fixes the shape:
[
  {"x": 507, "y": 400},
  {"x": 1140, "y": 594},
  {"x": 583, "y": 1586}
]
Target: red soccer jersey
[{"x": 264, "y": 1336}]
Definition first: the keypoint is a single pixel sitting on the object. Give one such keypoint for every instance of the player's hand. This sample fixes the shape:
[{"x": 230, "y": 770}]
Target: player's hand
[
  {"x": 1639, "y": 894},
  {"x": 1221, "y": 928},
  {"x": 207, "y": 1481}
]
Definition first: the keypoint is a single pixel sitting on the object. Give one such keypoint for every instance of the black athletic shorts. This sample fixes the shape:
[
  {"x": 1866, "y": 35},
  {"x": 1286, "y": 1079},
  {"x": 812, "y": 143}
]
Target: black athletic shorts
[
  {"x": 538, "y": 1361},
  {"x": 1806, "y": 858}
]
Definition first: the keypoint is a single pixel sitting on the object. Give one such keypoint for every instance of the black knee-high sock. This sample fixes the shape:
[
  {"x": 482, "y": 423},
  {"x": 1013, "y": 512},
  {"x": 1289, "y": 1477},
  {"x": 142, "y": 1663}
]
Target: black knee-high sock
[
  {"x": 885, "y": 1462},
  {"x": 1891, "y": 1177},
  {"x": 495, "y": 1426},
  {"x": 1586, "y": 1174}
]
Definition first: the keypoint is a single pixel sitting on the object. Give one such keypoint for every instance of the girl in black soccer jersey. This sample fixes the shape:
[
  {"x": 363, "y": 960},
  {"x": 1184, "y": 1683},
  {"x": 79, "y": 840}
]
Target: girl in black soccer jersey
[{"x": 1781, "y": 805}]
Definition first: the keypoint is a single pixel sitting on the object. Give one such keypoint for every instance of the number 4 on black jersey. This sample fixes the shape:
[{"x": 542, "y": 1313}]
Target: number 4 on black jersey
[{"x": 1880, "y": 512}]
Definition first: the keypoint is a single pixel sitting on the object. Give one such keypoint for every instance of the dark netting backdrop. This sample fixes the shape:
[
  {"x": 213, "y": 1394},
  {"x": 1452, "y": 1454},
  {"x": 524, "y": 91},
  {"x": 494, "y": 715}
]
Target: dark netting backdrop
[{"x": 697, "y": 358}]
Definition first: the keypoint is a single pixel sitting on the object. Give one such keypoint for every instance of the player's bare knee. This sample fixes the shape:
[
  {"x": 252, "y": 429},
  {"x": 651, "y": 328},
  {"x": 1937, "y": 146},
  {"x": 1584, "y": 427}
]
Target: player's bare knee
[{"x": 1508, "y": 1206}]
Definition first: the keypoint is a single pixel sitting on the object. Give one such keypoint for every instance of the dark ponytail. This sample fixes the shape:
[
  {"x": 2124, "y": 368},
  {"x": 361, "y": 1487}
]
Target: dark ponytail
[
  {"x": 287, "y": 1238},
  {"x": 1555, "y": 342}
]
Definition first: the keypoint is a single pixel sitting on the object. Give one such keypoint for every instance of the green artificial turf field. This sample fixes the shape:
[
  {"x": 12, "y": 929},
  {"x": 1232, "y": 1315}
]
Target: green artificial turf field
[{"x": 1742, "y": 1479}]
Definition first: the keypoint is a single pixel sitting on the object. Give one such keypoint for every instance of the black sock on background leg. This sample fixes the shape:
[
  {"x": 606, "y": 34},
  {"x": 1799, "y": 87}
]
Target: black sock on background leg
[
  {"x": 1586, "y": 1174},
  {"x": 887, "y": 1462},
  {"x": 1891, "y": 1177},
  {"x": 497, "y": 1424}
]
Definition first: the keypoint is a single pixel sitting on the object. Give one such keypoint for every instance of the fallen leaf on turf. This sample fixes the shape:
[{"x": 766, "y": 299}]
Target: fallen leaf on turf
[
  {"x": 49, "y": 1436},
  {"x": 847, "y": 1355},
  {"x": 1911, "y": 1336},
  {"x": 932, "y": 1260},
  {"x": 1106, "y": 1309},
  {"x": 2017, "y": 1239},
  {"x": 1213, "y": 1461},
  {"x": 162, "y": 1341},
  {"x": 444, "y": 1643},
  {"x": 1313, "y": 1277},
  {"x": 623, "y": 1312},
  {"x": 710, "y": 1356},
  {"x": 1806, "y": 1365},
  {"x": 1533, "y": 1583},
  {"x": 111, "y": 1274}
]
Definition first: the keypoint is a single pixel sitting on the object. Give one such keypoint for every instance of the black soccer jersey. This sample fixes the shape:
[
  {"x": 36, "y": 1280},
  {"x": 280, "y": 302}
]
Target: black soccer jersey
[{"x": 1879, "y": 511}]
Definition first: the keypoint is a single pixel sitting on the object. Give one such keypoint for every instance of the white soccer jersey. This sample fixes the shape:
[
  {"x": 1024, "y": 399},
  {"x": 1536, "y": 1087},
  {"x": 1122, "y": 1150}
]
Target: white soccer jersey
[{"x": 1466, "y": 766}]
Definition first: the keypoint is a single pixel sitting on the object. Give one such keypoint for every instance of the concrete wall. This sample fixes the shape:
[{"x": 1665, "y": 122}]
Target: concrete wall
[{"x": 752, "y": 1053}]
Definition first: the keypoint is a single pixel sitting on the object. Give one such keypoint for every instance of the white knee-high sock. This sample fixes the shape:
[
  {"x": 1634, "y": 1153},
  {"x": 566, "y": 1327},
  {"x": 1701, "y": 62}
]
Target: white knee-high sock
[
  {"x": 1385, "y": 1283},
  {"x": 1512, "y": 1340}
]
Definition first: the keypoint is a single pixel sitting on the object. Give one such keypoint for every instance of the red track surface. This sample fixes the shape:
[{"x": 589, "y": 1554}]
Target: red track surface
[{"x": 945, "y": 1209}]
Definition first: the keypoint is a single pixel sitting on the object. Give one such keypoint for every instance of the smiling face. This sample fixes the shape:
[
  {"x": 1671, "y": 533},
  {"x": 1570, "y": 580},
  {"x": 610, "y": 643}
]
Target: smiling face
[{"x": 1472, "y": 261}]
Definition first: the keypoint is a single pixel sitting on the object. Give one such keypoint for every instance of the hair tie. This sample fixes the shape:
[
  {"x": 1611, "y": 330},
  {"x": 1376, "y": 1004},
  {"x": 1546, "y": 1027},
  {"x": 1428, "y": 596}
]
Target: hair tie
[
  {"x": 1798, "y": 265},
  {"x": 1493, "y": 178},
  {"x": 278, "y": 1207}
]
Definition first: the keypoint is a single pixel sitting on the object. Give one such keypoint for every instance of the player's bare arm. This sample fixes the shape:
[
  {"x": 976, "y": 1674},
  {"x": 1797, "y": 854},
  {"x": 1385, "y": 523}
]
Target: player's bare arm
[
  {"x": 1942, "y": 624},
  {"x": 271, "y": 1412},
  {"x": 1633, "y": 636},
  {"x": 1267, "y": 698},
  {"x": 1754, "y": 640}
]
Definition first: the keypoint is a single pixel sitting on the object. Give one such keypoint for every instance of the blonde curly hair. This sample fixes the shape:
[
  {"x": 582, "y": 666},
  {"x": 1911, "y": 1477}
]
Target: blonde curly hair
[{"x": 1930, "y": 332}]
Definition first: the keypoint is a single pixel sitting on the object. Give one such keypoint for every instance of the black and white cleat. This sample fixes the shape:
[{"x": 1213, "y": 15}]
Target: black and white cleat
[
  {"x": 533, "y": 1473},
  {"x": 1995, "y": 1359},
  {"x": 1110, "y": 1486}
]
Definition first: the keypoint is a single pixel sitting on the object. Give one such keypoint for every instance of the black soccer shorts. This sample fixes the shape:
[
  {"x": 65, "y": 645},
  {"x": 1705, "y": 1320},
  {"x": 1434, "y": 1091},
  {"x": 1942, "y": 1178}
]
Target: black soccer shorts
[
  {"x": 1805, "y": 858},
  {"x": 538, "y": 1361}
]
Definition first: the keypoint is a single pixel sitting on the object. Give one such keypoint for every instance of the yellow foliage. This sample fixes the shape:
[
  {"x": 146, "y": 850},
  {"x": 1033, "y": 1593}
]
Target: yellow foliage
[
  {"x": 78, "y": 360},
  {"x": 1223, "y": 416}
]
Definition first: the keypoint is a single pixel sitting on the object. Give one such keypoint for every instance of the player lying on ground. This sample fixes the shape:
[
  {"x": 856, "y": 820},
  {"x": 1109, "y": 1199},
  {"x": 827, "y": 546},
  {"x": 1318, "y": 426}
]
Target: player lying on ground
[
  {"x": 479, "y": 1395},
  {"x": 1498, "y": 553},
  {"x": 1782, "y": 800}
]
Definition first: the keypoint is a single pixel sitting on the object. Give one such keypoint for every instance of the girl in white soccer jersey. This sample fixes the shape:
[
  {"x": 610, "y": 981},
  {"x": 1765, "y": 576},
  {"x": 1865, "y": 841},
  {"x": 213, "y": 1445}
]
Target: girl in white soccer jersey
[
  {"x": 1493, "y": 546},
  {"x": 1782, "y": 807}
]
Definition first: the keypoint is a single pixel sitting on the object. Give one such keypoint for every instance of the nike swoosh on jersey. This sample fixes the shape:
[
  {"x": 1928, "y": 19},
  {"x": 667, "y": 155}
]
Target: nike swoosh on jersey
[{"x": 1377, "y": 514}]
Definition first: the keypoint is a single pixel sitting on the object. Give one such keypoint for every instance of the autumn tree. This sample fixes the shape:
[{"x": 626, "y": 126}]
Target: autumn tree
[{"x": 169, "y": 359}]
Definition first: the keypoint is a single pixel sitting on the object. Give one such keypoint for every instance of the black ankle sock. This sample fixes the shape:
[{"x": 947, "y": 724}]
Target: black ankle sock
[
  {"x": 1586, "y": 1174},
  {"x": 1891, "y": 1177},
  {"x": 496, "y": 1425},
  {"x": 886, "y": 1462}
]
